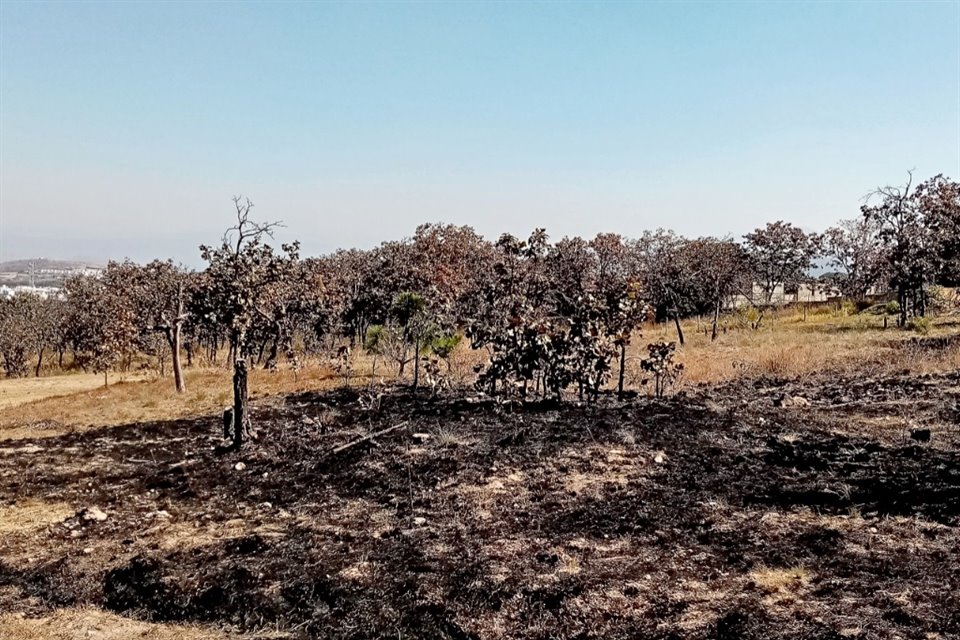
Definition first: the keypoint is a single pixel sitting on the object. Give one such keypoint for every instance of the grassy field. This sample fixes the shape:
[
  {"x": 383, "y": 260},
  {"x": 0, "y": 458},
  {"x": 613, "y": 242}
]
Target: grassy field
[{"x": 787, "y": 345}]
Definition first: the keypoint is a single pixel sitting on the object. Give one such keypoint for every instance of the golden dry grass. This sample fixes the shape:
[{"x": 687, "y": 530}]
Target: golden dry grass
[
  {"x": 787, "y": 345},
  {"x": 17, "y": 391},
  {"x": 128, "y": 402},
  {"x": 32, "y": 514},
  {"x": 780, "y": 580},
  {"x": 94, "y": 624}
]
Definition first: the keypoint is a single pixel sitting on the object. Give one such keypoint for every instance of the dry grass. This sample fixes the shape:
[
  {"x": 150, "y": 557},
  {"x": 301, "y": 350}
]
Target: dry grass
[
  {"x": 93, "y": 624},
  {"x": 790, "y": 346},
  {"x": 787, "y": 345},
  {"x": 17, "y": 391},
  {"x": 126, "y": 402},
  {"x": 779, "y": 580},
  {"x": 32, "y": 514}
]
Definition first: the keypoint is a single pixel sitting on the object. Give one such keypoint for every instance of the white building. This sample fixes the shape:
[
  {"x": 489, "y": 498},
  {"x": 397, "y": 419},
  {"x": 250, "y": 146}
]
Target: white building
[
  {"x": 43, "y": 292},
  {"x": 806, "y": 292}
]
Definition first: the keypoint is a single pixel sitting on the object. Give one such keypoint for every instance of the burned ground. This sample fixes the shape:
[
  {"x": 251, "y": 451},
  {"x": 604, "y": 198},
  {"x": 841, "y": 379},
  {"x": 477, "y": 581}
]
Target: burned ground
[{"x": 715, "y": 514}]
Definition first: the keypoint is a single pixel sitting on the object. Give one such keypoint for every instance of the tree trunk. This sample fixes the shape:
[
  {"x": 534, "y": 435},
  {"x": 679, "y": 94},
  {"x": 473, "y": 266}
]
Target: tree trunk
[
  {"x": 416, "y": 364},
  {"x": 272, "y": 356},
  {"x": 623, "y": 363},
  {"x": 189, "y": 347},
  {"x": 716, "y": 320},
  {"x": 239, "y": 401},
  {"x": 60, "y": 351},
  {"x": 39, "y": 363},
  {"x": 175, "y": 350},
  {"x": 105, "y": 384},
  {"x": 676, "y": 321}
]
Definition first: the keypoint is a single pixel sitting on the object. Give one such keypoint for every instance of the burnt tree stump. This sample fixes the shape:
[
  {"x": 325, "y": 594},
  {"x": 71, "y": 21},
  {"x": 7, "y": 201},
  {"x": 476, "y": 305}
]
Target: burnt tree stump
[{"x": 240, "y": 418}]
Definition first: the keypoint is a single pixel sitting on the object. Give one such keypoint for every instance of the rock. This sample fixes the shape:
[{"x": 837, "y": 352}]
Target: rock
[
  {"x": 164, "y": 515},
  {"x": 92, "y": 514},
  {"x": 239, "y": 466},
  {"x": 419, "y": 521},
  {"x": 660, "y": 457},
  {"x": 786, "y": 400},
  {"x": 87, "y": 550},
  {"x": 421, "y": 437},
  {"x": 713, "y": 407}
]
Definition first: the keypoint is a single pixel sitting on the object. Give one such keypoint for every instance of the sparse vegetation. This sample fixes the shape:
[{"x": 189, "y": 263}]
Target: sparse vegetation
[{"x": 787, "y": 443}]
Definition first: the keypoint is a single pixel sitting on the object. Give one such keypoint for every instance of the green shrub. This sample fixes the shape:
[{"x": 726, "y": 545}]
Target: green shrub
[
  {"x": 444, "y": 345},
  {"x": 892, "y": 308},
  {"x": 746, "y": 316},
  {"x": 375, "y": 339},
  {"x": 920, "y": 325}
]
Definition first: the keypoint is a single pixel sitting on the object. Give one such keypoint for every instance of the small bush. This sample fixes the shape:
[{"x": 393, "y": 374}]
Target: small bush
[
  {"x": 920, "y": 325},
  {"x": 892, "y": 308},
  {"x": 746, "y": 317},
  {"x": 661, "y": 368},
  {"x": 848, "y": 308},
  {"x": 374, "y": 341},
  {"x": 444, "y": 345}
]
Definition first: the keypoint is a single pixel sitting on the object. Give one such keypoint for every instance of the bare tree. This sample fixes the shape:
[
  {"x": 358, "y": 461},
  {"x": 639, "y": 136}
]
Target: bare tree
[{"x": 241, "y": 276}]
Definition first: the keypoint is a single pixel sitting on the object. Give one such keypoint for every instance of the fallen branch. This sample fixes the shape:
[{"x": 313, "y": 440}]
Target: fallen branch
[{"x": 368, "y": 438}]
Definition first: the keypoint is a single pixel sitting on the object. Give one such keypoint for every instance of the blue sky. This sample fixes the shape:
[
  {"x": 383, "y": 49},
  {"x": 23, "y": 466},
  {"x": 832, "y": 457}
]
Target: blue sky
[{"x": 126, "y": 128}]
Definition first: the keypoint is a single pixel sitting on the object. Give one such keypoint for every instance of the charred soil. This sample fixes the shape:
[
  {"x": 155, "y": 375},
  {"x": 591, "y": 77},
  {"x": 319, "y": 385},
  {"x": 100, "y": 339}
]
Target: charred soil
[{"x": 713, "y": 514}]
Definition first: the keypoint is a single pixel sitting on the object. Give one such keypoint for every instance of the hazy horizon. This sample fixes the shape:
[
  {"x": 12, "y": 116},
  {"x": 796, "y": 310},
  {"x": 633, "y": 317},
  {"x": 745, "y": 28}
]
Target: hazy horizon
[{"x": 126, "y": 129}]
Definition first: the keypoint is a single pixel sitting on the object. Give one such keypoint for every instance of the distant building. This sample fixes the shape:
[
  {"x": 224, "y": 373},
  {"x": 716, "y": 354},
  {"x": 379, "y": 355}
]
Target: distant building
[
  {"x": 806, "y": 292},
  {"x": 43, "y": 292}
]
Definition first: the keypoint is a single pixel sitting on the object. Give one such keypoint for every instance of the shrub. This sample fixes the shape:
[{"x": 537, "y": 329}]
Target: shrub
[
  {"x": 444, "y": 345},
  {"x": 746, "y": 316},
  {"x": 661, "y": 368},
  {"x": 920, "y": 325},
  {"x": 848, "y": 308}
]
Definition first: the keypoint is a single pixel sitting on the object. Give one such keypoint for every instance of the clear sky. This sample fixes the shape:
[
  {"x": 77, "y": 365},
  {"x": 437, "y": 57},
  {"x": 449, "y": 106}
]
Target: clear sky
[{"x": 126, "y": 127}]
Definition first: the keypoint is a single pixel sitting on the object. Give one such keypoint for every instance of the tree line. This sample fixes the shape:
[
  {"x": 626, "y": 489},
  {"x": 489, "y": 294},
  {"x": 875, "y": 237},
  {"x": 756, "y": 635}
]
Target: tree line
[{"x": 551, "y": 315}]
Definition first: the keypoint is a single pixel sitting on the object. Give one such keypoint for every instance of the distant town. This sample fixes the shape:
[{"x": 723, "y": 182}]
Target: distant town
[{"x": 41, "y": 276}]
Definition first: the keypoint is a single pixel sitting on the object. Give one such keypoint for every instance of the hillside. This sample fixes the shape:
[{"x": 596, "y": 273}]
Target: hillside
[{"x": 44, "y": 264}]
